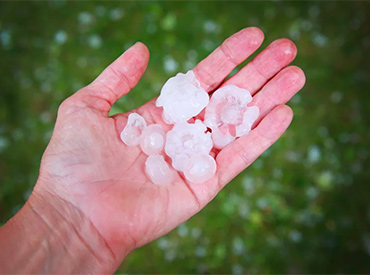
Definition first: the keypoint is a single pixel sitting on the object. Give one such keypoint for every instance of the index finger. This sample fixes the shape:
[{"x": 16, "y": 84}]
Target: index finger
[{"x": 212, "y": 70}]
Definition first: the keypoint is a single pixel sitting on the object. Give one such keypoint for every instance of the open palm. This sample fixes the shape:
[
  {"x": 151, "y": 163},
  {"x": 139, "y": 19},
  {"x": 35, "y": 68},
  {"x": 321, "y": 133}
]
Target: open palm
[{"x": 87, "y": 166}]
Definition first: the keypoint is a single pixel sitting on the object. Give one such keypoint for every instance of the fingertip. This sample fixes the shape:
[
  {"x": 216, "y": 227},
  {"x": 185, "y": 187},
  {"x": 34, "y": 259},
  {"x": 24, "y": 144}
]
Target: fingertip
[
  {"x": 299, "y": 75},
  {"x": 286, "y": 50},
  {"x": 254, "y": 35},
  {"x": 132, "y": 63},
  {"x": 285, "y": 112},
  {"x": 290, "y": 79},
  {"x": 284, "y": 116},
  {"x": 141, "y": 47},
  {"x": 287, "y": 117}
]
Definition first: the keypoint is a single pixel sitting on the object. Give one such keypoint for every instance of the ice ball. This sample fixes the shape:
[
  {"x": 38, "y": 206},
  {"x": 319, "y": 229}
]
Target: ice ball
[
  {"x": 130, "y": 135},
  {"x": 200, "y": 168},
  {"x": 152, "y": 139},
  {"x": 158, "y": 170}
]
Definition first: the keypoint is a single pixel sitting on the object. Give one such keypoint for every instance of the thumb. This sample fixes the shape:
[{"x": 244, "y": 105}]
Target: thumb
[{"x": 115, "y": 81}]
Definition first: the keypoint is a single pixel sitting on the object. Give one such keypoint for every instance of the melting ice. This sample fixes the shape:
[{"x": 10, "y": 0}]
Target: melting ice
[
  {"x": 189, "y": 144},
  {"x": 182, "y": 98},
  {"x": 158, "y": 170},
  {"x": 228, "y": 115},
  {"x": 186, "y": 140},
  {"x": 134, "y": 127},
  {"x": 152, "y": 139},
  {"x": 200, "y": 168}
]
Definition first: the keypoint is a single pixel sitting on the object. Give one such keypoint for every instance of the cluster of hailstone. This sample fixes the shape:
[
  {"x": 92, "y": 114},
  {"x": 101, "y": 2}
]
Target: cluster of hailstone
[{"x": 189, "y": 144}]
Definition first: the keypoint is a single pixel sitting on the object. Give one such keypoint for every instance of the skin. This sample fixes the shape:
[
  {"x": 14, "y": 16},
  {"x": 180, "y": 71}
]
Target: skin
[{"x": 96, "y": 187}]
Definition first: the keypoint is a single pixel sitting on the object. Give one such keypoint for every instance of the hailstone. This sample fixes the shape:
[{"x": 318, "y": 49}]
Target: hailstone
[
  {"x": 182, "y": 98},
  {"x": 200, "y": 168},
  {"x": 185, "y": 140},
  {"x": 188, "y": 145},
  {"x": 152, "y": 139},
  {"x": 228, "y": 115},
  {"x": 130, "y": 135},
  {"x": 158, "y": 170}
]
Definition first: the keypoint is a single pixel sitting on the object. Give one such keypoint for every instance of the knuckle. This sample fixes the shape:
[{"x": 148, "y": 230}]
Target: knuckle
[
  {"x": 120, "y": 77},
  {"x": 228, "y": 54},
  {"x": 241, "y": 152},
  {"x": 208, "y": 80}
]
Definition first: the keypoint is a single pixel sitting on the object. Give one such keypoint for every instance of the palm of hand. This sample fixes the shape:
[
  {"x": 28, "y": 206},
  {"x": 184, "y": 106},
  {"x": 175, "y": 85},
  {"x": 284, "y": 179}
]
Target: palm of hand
[
  {"x": 109, "y": 183},
  {"x": 88, "y": 166}
]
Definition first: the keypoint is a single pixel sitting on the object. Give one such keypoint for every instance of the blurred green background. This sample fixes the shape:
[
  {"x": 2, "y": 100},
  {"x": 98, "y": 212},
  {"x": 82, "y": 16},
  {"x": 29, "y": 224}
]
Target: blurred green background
[{"x": 302, "y": 207}]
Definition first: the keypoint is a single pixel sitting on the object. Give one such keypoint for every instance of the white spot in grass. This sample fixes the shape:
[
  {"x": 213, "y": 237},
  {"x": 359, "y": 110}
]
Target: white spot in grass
[
  {"x": 60, "y": 37},
  {"x": 170, "y": 65},
  {"x": 116, "y": 14},
  {"x": 85, "y": 18},
  {"x": 210, "y": 26},
  {"x": 94, "y": 41},
  {"x": 314, "y": 154}
]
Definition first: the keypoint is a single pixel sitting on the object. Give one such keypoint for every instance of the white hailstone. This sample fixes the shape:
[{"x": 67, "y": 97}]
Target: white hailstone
[
  {"x": 250, "y": 115},
  {"x": 200, "y": 168},
  {"x": 185, "y": 140},
  {"x": 152, "y": 139},
  {"x": 158, "y": 170},
  {"x": 221, "y": 136},
  {"x": 182, "y": 98},
  {"x": 130, "y": 135},
  {"x": 228, "y": 116}
]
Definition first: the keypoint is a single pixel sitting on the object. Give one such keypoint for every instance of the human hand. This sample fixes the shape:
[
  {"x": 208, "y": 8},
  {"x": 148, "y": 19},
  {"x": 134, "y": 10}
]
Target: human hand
[{"x": 86, "y": 167}]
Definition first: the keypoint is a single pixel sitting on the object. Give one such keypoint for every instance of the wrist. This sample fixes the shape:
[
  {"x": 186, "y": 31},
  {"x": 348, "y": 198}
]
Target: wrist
[{"x": 50, "y": 235}]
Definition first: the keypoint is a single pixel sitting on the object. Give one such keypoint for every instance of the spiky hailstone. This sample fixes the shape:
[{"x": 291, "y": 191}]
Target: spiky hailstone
[
  {"x": 182, "y": 98},
  {"x": 130, "y": 135},
  {"x": 158, "y": 170},
  {"x": 228, "y": 115},
  {"x": 186, "y": 140}
]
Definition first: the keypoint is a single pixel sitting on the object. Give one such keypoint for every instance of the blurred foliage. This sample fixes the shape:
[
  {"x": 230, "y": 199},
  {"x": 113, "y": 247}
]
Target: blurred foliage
[{"x": 302, "y": 207}]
